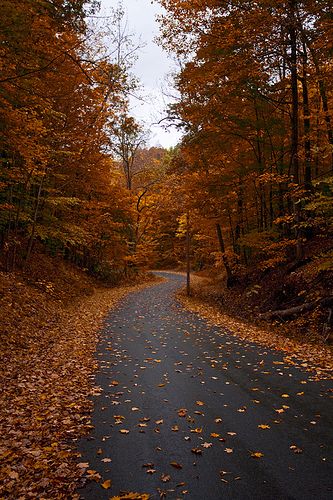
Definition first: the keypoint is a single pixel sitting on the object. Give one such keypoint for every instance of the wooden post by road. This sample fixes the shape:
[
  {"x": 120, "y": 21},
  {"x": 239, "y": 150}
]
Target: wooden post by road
[{"x": 188, "y": 261}]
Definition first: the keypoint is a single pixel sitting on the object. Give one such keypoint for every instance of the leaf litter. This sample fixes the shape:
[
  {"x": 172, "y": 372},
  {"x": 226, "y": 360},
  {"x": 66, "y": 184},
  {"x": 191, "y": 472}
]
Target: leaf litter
[{"x": 45, "y": 405}]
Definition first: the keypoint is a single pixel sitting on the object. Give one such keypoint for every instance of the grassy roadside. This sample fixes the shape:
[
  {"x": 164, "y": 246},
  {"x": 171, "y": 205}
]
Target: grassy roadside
[{"x": 48, "y": 339}]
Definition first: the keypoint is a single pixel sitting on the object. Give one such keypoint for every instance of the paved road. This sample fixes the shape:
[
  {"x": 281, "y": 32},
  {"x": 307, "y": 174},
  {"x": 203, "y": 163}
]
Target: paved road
[{"x": 156, "y": 359}]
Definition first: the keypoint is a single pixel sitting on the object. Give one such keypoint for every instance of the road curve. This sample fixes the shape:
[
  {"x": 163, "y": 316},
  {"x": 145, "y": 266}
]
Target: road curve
[{"x": 190, "y": 411}]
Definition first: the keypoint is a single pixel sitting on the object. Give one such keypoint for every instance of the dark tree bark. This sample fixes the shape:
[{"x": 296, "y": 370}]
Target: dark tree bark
[{"x": 230, "y": 276}]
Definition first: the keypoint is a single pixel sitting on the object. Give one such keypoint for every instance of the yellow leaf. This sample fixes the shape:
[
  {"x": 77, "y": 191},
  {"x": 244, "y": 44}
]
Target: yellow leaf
[
  {"x": 107, "y": 484},
  {"x": 257, "y": 454},
  {"x": 263, "y": 426}
]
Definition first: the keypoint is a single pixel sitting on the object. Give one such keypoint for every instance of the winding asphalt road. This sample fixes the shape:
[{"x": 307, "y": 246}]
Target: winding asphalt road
[{"x": 190, "y": 411}]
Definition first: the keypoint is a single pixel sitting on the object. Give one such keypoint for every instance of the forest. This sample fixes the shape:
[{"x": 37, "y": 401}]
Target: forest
[
  {"x": 250, "y": 182},
  {"x": 89, "y": 207}
]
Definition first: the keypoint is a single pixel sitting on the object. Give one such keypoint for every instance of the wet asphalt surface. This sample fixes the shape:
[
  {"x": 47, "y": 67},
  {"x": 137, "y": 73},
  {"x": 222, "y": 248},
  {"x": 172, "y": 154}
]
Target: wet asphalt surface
[{"x": 155, "y": 358}]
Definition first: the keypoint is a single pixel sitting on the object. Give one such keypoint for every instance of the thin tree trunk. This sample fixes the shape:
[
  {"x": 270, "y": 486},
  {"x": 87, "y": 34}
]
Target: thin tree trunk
[
  {"x": 33, "y": 229},
  {"x": 294, "y": 161},
  {"x": 230, "y": 277},
  {"x": 306, "y": 122}
]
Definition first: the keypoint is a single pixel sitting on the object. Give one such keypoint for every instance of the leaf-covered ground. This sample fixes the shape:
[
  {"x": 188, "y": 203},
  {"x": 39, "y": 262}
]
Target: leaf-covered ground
[
  {"x": 316, "y": 357},
  {"x": 48, "y": 341}
]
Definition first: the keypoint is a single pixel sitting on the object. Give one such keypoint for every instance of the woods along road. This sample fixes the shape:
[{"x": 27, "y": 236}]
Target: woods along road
[{"x": 188, "y": 410}]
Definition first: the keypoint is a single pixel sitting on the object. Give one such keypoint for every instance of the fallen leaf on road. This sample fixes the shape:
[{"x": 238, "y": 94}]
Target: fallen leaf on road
[
  {"x": 182, "y": 412},
  {"x": 165, "y": 478},
  {"x": 263, "y": 426},
  {"x": 132, "y": 496},
  {"x": 196, "y": 451},
  {"x": 83, "y": 465},
  {"x": 107, "y": 484},
  {"x": 124, "y": 431},
  {"x": 176, "y": 465},
  {"x": 256, "y": 454},
  {"x": 229, "y": 450},
  {"x": 296, "y": 449}
]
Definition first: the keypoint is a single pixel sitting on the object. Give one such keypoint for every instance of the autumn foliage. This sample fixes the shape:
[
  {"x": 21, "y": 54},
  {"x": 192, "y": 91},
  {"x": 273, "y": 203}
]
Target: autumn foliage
[
  {"x": 59, "y": 187},
  {"x": 255, "y": 103}
]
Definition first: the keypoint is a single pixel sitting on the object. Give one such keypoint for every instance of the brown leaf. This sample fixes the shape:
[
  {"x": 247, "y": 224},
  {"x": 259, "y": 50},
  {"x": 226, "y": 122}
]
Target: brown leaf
[
  {"x": 176, "y": 465},
  {"x": 182, "y": 412}
]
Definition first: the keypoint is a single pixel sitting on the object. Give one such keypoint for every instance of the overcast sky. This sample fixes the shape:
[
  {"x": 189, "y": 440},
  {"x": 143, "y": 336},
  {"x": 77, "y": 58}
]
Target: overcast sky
[{"x": 152, "y": 67}]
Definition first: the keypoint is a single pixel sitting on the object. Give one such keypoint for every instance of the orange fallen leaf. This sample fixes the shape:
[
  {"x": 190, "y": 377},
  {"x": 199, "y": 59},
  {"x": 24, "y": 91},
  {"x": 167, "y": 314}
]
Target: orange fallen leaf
[
  {"x": 176, "y": 465},
  {"x": 124, "y": 431},
  {"x": 107, "y": 484},
  {"x": 256, "y": 454},
  {"x": 182, "y": 412},
  {"x": 200, "y": 403},
  {"x": 263, "y": 426}
]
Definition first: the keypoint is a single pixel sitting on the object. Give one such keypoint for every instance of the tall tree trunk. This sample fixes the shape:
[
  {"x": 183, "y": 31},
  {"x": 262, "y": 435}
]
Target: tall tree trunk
[
  {"x": 306, "y": 123},
  {"x": 230, "y": 276},
  {"x": 294, "y": 163},
  {"x": 322, "y": 89},
  {"x": 294, "y": 160},
  {"x": 33, "y": 228}
]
